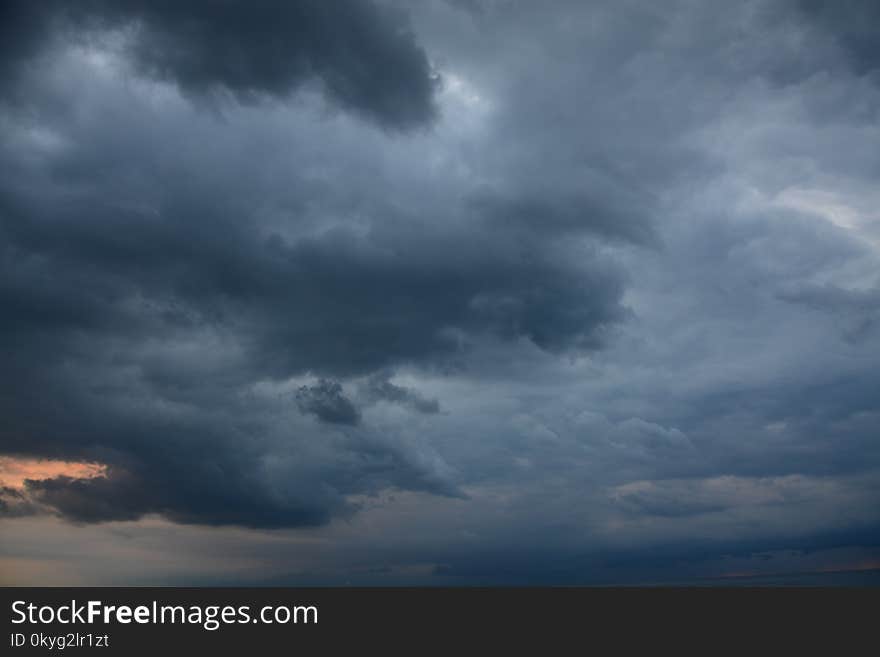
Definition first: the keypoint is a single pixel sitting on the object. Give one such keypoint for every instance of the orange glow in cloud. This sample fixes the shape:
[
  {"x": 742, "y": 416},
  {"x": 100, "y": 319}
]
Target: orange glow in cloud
[{"x": 13, "y": 471}]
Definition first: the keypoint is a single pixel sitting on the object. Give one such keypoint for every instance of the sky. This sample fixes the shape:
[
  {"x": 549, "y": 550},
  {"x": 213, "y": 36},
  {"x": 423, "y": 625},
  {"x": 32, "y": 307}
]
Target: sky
[{"x": 446, "y": 292}]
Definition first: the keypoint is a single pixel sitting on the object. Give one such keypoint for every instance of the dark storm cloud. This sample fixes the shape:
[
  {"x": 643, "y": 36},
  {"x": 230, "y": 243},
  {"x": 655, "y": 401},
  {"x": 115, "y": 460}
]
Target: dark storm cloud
[
  {"x": 326, "y": 401},
  {"x": 554, "y": 212},
  {"x": 632, "y": 261},
  {"x": 380, "y": 388},
  {"x": 145, "y": 296},
  {"x": 364, "y": 57},
  {"x": 853, "y": 24},
  {"x": 15, "y": 503},
  {"x": 205, "y": 499},
  {"x": 23, "y": 28},
  {"x": 328, "y": 307},
  {"x": 335, "y": 304}
]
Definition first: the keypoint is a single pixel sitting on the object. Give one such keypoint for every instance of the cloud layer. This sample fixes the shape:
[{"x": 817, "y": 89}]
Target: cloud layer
[{"x": 597, "y": 274}]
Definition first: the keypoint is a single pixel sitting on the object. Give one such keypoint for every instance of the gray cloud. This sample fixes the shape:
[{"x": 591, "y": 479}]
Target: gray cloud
[
  {"x": 851, "y": 23},
  {"x": 326, "y": 401},
  {"x": 380, "y": 388},
  {"x": 364, "y": 57},
  {"x": 634, "y": 261},
  {"x": 143, "y": 301}
]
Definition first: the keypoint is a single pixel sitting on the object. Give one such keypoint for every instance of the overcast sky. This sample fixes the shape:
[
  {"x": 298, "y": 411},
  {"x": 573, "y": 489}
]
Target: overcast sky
[{"x": 441, "y": 292}]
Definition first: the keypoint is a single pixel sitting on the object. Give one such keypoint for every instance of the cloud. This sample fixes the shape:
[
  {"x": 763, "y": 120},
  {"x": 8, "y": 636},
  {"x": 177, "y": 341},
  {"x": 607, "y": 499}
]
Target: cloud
[
  {"x": 718, "y": 494},
  {"x": 15, "y": 503},
  {"x": 254, "y": 50},
  {"x": 631, "y": 260},
  {"x": 144, "y": 302},
  {"x": 326, "y": 401},
  {"x": 555, "y": 212},
  {"x": 851, "y": 24},
  {"x": 380, "y": 388}
]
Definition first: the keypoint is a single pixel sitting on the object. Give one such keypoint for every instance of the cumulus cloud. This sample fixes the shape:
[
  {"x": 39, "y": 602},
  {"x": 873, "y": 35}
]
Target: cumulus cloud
[{"x": 364, "y": 58}]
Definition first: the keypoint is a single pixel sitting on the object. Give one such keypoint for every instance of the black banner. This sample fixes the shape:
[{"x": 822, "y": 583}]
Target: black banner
[{"x": 129, "y": 621}]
